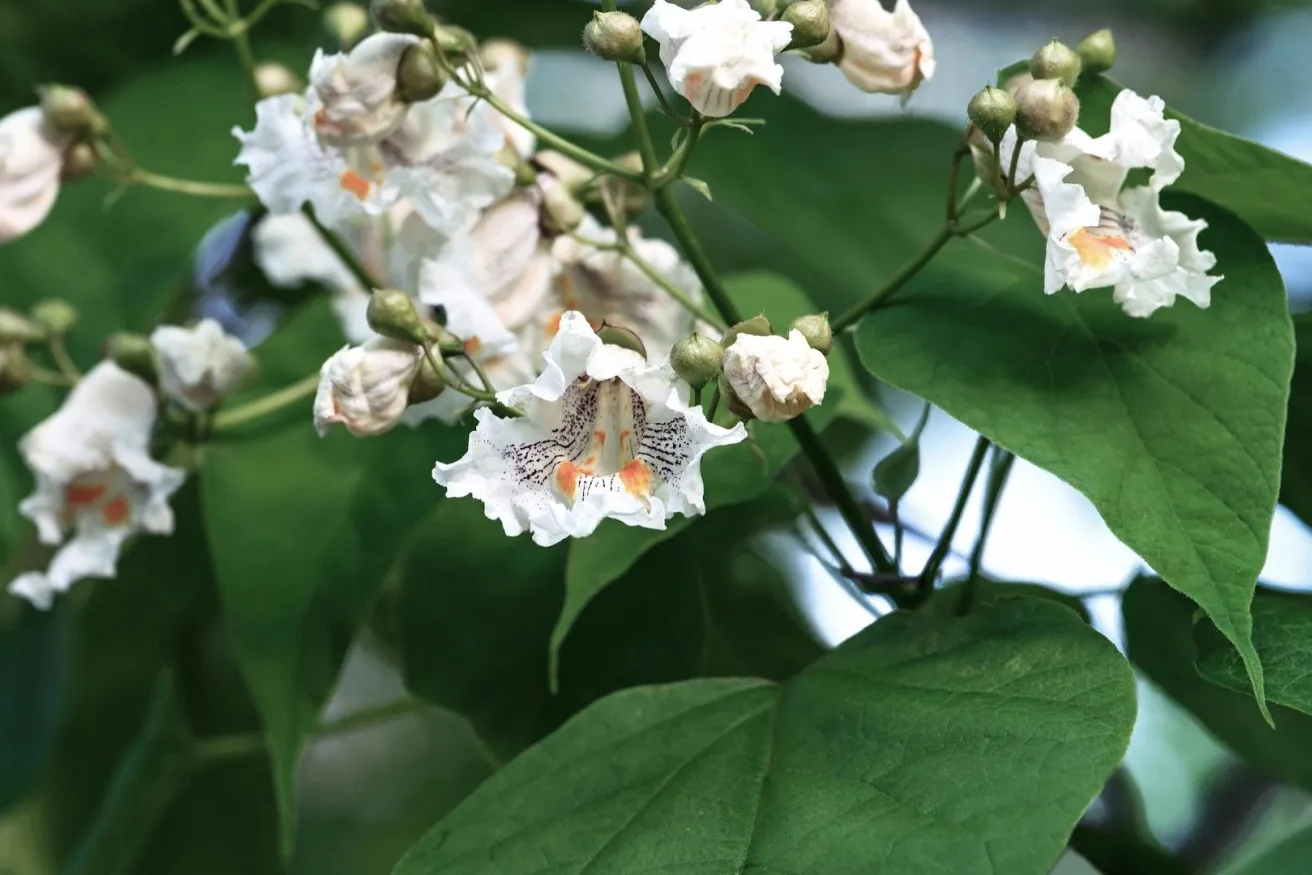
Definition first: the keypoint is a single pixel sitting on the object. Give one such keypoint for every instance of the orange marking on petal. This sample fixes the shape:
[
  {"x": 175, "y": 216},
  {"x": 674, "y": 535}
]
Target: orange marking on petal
[
  {"x": 472, "y": 345},
  {"x": 637, "y": 478},
  {"x": 79, "y": 495},
  {"x": 553, "y": 324},
  {"x": 567, "y": 479},
  {"x": 1095, "y": 250},
  {"x": 600, "y": 437},
  {"x": 354, "y": 183},
  {"x": 116, "y": 512}
]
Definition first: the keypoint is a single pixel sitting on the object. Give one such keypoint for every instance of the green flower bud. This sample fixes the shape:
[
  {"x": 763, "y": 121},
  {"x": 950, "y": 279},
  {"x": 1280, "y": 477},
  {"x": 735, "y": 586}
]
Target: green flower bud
[
  {"x": 810, "y": 21},
  {"x": 615, "y": 36},
  {"x": 69, "y": 110},
  {"x": 561, "y": 213},
  {"x": 815, "y": 328},
  {"x": 401, "y": 16},
  {"x": 757, "y": 325},
  {"x": 419, "y": 76},
  {"x": 622, "y": 337},
  {"x": 56, "y": 316},
  {"x": 1046, "y": 110},
  {"x": 1097, "y": 51},
  {"x": 992, "y": 111},
  {"x": 134, "y": 354},
  {"x": 697, "y": 360},
  {"x": 392, "y": 314},
  {"x": 79, "y": 162},
  {"x": 15, "y": 368},
  {"x": 765, "y": 8},
  {"x": 347, "y": 22},
  {"x": 1056, "y": 61},
  {"x": 17, "y": 328},
  {"x": 272, "y": 79},
  {"x": 732, "y": 402},
  {"x": 428, "y": 383}
]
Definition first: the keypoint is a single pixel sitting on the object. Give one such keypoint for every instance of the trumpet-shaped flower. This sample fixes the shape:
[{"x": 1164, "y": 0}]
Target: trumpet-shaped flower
[
  {"x": 717, "y": 54},
  {"x": 882, "y": 51},
  {"x": 366, "y": 388},
  {"x": 31, "y": 159},
  {"x": 357, "y": 94},
  {"x": 95, "y": 478},
  {"x": 778, "y": 378},
  {"x": 199, "y": 366},
  {"x": 604, "y": 435}
]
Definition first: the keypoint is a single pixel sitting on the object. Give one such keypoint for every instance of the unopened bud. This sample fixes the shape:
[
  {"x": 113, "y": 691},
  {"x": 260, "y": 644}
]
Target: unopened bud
[
  {"x": 525, "y": 173},
  {"x": 55, "y": 315},
  {"x": 622, "y": 337},
  {"x": 428, "y": 382},
  {"x": 133, "y": 353},
  {"x": 1056, "y": 60},
  {"x": 992, "y": 111},
  {"x": 401, "y": 16},
  {"x": 765, "y": 8},
  {"x": 630, "y": 161},
  {"x": 569, "y": 172},
  {"x": 561, "y": 213},
  {"x": 17, "y": 328},
  {"x": 1046, "y": 110},
  {"x": 347, "y": 22},
  {"x": 757, "y": 325},
  {"x": 69, "y": 110},
  {"x": 615, "y": 36},
  {"x": 273, "y": 79},
  {"x": 15, "y": 368},
  {"x": 1012, "y": 85},
  {"x": 456, "y": 41},
  {"x": 1097, "y": 51},
  {"x": 735, "y": 405},
  {"x": 828, "y": 51},
  {"x": 810, "y": 21},
  {"x": 697, "y": 360},
  {"x": 815, "y": 328},
  {"x": 419, "y": 76},
  {"x": 79, "y": 162},
  {"x": 391, "y": 313}
]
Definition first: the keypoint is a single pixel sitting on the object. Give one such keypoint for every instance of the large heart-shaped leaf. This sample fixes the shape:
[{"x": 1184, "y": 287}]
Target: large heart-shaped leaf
[
  {"x": 1172, "y": 426},
  {"x": 1288, "y": 857},
  {"x": 1282, "y": 634},
  {"x": 923, "y": 745},
  {"x": 1296, "y": 477}
]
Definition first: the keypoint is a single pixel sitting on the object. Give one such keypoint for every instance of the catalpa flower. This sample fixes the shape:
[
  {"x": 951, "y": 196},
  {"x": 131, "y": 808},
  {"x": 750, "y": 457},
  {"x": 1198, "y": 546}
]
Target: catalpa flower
[
  {"x": 778, "y": 378},
  {"x": 882, "y": 51},
  {"x": 718, "y": 53},
  {"x": 357, "y": 92},
  {"x": 199, "y": 366},
  {"x": 366, "y": 388},
  {"x": 604, "y": 435},
  {"x": 31, "y": 160},
  {"x": 1101, "y": 232},
  {"x": 95, "y": 477}
]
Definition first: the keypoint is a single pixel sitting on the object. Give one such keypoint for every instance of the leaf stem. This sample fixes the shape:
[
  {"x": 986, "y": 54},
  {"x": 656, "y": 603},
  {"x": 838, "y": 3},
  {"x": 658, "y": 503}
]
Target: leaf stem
[
  {"x": 935, "y": 562},
  {"x": 897, "y": 281},
  {"x": 999, "y": 469},
  {"x": 662, "y": 99},
  {"x": 59, "y": 352},
  {"x": 271, "y": 403}
]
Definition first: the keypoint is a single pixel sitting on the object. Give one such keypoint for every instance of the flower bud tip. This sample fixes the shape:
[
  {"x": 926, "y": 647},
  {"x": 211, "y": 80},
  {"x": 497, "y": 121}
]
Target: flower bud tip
[
  {"x": 1046, "y": 110},
  {"x": 69, "y": 110},
  {"x": 273, "y": 79},
  {"x": 55, "y": 315},
  {"x": 810, "y": 21},
  {"x": 419, "y": 76},
  {"x": 428, "y": 383},
  {"x": 615, "y": 36},
  {"x": 1097, "y": 51},
  {"x": 758, "y": 325},
  {"x": 622, "y": 337},
  {"x": 392, "y": 314},
  {"x": 133, "y": 353},
  {"x": 1056, "y": 60},
  {"x": 15, "y": 368},
  {"x": 815, "y": 328},
  {"x": 992, "y": 111},
  {"x": 697, "y": 360},
  {"x": 401, "y": 16},
  {"x": 347, "y": 22},
  {"x": 17, "y": 328}
]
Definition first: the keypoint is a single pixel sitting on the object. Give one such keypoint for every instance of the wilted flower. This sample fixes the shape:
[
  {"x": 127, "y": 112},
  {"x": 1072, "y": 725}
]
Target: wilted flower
[
  {"x": 777, "y": 378},
  {"x": 199, "y": 366},
  {"x": 95, "y": 477},
  {"x": 604, "y": 435},
  {"x": 357, "y": 92},
  {"x": 717, "y": 54},
  {"x": 366, "y": 388},
  {"x": 31, "y": 159},
  {"x": 882, "y": 51}
]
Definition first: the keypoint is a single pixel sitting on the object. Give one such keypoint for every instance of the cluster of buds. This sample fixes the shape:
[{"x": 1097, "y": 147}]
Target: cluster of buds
[{"x": 759, "y": 374}]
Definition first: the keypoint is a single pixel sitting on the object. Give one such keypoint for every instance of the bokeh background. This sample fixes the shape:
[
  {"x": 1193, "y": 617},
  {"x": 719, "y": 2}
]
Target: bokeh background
[{"x": 1242, "y": 65}]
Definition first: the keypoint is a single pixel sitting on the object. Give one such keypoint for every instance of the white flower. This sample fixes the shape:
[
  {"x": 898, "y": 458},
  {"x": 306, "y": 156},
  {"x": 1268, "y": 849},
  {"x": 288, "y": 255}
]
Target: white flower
[
  {"x": 778, "y": 378},
  {"x": 882, "y": 51},
  {"x": 505, "y": 67},
  {"x": 366, "y": 388},
  {"x": 716, "y": 54},
  {"x": 358, "y": 101},
  {"x": 199, "y": 366},
  {"x": 31, "y": 159},
  {"x": 1101, "y": 233},
  {"x": 95, "y": 476},
  {"x": 604, "y": 435}
]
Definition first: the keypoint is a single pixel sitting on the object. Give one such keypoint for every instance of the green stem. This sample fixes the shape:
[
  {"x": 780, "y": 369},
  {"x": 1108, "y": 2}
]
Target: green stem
[
  {"x": 271, "y": 403},
  {"x": 187, "y": 186},
  {"x": 999, "y": 470},
  {"x": 241, "y": 43},
  {"x": 678, "y": 163},
  {"x": 646, "y": 149},
  {"x": 715, "y": 405},
  {"x": 944, "y": 544},
  {"x": 64, "y": 361},
  {"x": 457, "y": 383},
  {"x": 51, "y": 378},
  {"x": 668, "y": 206},
  {"x": 670, "y": 288},
  {"x": 897, "y": 281},
  {"x": 342, "y": 251},
  {"x": 661, "y": 98},
  {"x": 844, "y": 567},
  {"x": 557, "y": 142}
]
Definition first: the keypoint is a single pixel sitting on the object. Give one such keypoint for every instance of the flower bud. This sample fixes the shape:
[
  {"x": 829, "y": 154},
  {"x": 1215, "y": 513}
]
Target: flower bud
[
  {"x": 622, "y": 337},
  {"x": 428, "y": 383},
  {"x": 810, "y": 21},
  {"x": 17, "y": 328},
  {"x": 1056, "y": 61},
  {"x": 992, "y": 111},
  {"x": 765, "y": 8},
  {"x": 1012, "y": 85},
  {"x": 615, "y": 36},
  {"x": 15, "y": 368},
  {"x": 457, "y": 43},
  {"x": 392, "y": 314},
  {"x": 69, "y": 110},
  {"x": 1097, "y": 51},
  {"x": 757, "y": 325},
  {"x": 569, "y": 172},
  {"x": 272, "y": 79},
  {"x": 347, "y": 22},
  {"x": 56, "y": 316},
  {"x": 1045, "y": 110},
  {"x": 79, "y": 162},
  {"x": 697, "y": 360},
  {"x": 401, "y": 16},
  {"x": 815, "y": 328},
  {"x": 732, "y": 402},
  {"x": 134, "y": 354},
  {"x": 777, "y": 378},
  {"x": 561, "y": 213},
  {"x": 419, "y": 76}
]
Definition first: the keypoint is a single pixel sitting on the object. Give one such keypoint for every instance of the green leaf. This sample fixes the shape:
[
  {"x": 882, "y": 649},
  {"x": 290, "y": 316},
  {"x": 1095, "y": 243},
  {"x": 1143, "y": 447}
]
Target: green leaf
[
  {"x": 1172, "y": 426},
  {"x": 1159, "y": 638},
  {"x": 896, "y": 473},
  {"x": 1267, "y": 189},
  {"x": 1289, "y": 857},
  {"x": 944, "y": 601},
  {"x": 1296, "y": 475},
  {"x": 303, "y": 531},
  {"x": 732, "y": 475},
  {"x": 922, "y": 745},
  {"x": 1282, "y": 634},
  {"x": 33, "y": 683}
]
